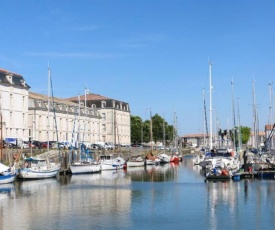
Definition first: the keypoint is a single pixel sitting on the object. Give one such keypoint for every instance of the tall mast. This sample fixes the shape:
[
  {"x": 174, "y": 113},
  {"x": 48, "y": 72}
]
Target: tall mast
[
  {"x": 270, "y": 112},
  {"x": 49, "y": 89},
  {"x": 234, "y": 121},
  {"x": 85, "y": 112},
  {"x": 205, "y": 119},
  {"x": 151, "y": 131},
  {"x": 239, "y": 126},
  {"x": 163, "y": 136},
  {"x": 254, "y": 117},
  {"x": 210, "y": 104}
]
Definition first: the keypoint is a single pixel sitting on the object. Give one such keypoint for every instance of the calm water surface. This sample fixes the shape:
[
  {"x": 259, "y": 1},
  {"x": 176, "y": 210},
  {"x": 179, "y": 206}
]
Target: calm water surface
[{"x": 153, "y": 197}]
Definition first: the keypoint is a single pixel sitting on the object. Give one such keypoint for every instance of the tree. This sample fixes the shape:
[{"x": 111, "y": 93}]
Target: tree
[
  {"x": 136, "y": 129},
  {"x": 140, "y": 131},
  {"x": 245, "y": 134}
]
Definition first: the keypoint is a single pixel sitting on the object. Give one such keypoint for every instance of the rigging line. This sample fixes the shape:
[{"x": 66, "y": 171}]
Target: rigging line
[
  {"x": 54, "y": 112},
  {"x": 71, "y": 146},
  {"x": 205, "y": 115}
]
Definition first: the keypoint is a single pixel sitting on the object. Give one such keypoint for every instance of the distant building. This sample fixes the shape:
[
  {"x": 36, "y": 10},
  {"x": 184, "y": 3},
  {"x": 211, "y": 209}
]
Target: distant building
[
  {"x": 27, "y": 115},
  {"x": 115, "y": 117},
  {"x": 63, "y": 120},
  {"x": 14, "y": 106}
]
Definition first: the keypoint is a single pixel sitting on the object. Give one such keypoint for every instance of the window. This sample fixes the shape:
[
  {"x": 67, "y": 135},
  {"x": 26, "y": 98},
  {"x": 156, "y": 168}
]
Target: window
[
  {"x": 103, "y": 128},
  {"x": 103, "y": 115},
  {"x": 103, "y": 104},
  {"x": 23, "y": 102}
]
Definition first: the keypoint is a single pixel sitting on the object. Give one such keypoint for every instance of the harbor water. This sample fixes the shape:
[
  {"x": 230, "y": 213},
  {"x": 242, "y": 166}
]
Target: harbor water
[{"x": 170, "y": 196}]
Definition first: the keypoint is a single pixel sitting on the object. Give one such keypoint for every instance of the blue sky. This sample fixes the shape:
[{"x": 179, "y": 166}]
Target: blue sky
[{"x": 149, "y": 53}]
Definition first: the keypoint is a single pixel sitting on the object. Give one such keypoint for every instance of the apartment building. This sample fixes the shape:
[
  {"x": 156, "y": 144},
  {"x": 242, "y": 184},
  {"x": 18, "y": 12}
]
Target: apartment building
[
  {"x": 89, "y": 118},
  {"x": 59, "y": 119},
  {"x": 115, "y": 117},
  {"x": 13, "y": 106}
]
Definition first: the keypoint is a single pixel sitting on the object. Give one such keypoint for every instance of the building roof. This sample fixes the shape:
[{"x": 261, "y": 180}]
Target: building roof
[
  {"x": 7, "y": 72},
  {"x": 8, "y": 77},
  {"x": 89, "y": 97},
  {"x": 43, "y": 97}
]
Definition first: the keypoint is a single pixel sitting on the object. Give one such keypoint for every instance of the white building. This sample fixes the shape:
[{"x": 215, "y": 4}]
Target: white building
[
  {"x": 14, "y": 106},
  {"x": 28, "y": 115},
  {"x": 115, "y": 117},
  {"x": 63, "y": 121}
]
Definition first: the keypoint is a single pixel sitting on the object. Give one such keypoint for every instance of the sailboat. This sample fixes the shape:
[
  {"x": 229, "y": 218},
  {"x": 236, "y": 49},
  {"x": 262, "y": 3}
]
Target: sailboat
[
  {"x": 150, "y": 159},
  {"x": 85, "y": 163},
  {"x": 37, "y": 167},
  {"x": 163, "y": 157},
  {"x": 7, "y": 174}
]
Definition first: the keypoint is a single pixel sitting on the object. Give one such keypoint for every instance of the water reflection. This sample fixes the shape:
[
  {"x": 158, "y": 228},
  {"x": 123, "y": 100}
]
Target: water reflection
[
  {"x": 131, "y": 199},
  {"x": 154, "y": 173},
  {"x": 7, "y": 191}
]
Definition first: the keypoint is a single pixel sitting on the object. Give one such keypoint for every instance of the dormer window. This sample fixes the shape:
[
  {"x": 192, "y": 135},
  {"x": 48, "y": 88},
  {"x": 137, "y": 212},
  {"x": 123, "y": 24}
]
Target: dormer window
[
  {"x": 103, "y": 104},
  {"x": 9, "y": 77}
]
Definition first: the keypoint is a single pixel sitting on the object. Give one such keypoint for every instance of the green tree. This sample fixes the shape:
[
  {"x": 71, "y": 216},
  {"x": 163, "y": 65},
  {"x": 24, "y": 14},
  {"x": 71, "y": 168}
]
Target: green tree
[
  {"x": 136, "y": 129},
  {"x": 157, "y": 127},
  {"x": 245, "y": 134}
]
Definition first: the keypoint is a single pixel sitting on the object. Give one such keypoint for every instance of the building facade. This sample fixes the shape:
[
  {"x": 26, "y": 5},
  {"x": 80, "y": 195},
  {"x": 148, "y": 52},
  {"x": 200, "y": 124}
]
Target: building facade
[
  {"x": 59, "y": 119},
  {"x": 27, "y": 115},
  {"x": 14, "y": 106},
  {"x": 115, "y": 117}
]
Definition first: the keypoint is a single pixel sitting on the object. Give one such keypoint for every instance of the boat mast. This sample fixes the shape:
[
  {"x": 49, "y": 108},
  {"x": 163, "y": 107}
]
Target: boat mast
[
  {"x": 48, "y": 126},
  {"x": 210, "y": 104},
  {"x": 270, "y": 112},
  {"x": 163, "y": 136},
  {"x": 205, "y": 121},
  {"x": 151, "y": 131},
  {"x": 255, "y": 117},
  {"x": 239, "y": 126},
  {"x": 234, "y": 121}
]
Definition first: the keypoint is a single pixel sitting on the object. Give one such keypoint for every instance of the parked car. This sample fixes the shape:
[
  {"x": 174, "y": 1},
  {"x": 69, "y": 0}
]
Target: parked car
[
  {"x": 56, "y": 145},
  {"x": 25, "y": 145},
  {"x": 96, "y": 146},
  {"x": 35, "y": 144}
]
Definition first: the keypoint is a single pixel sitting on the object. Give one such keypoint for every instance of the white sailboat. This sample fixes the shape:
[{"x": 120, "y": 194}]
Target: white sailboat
[
  {"x": 150, "y": 158},
  {"x": 109, "y": 162},
  {"x": 7, "y": 174},
  {"x": 85, "y": 163},
  {"x": 135, "y": 161},
  {"x": 39, "y": 168}
]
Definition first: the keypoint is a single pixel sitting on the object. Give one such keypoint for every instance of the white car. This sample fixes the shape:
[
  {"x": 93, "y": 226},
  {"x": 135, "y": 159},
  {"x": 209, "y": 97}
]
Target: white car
[{"x": 25, "y": 145}]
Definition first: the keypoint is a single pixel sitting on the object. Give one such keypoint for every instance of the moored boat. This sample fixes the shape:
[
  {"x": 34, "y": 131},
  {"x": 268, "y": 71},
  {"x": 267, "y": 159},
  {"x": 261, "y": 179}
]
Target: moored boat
[
  {"x": 84, "y": 167},
  {"x": 150, "y": 159},
  {"x": 135, "y": 161},
  {"x": 164, "y": 158},
  {"x": 218, "y": 174},
  {"x": 109, "y": 162},
  {"x": 36, "y": 168},
  {"x": 7, "y": 174}
]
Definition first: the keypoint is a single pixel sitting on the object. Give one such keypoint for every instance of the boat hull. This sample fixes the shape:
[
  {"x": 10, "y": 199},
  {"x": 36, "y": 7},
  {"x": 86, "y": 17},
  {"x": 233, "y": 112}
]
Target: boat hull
[
  {"x": 85, "y": 168},
  {"x": 110, "y": 166},
  {"x": 112, "y": 163},
  {"x": 135, "y": 163},
  {"x": 8, "y": 178},
  {"x": 27, "y": 173},
  {"x": 152, "y": 162}
]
